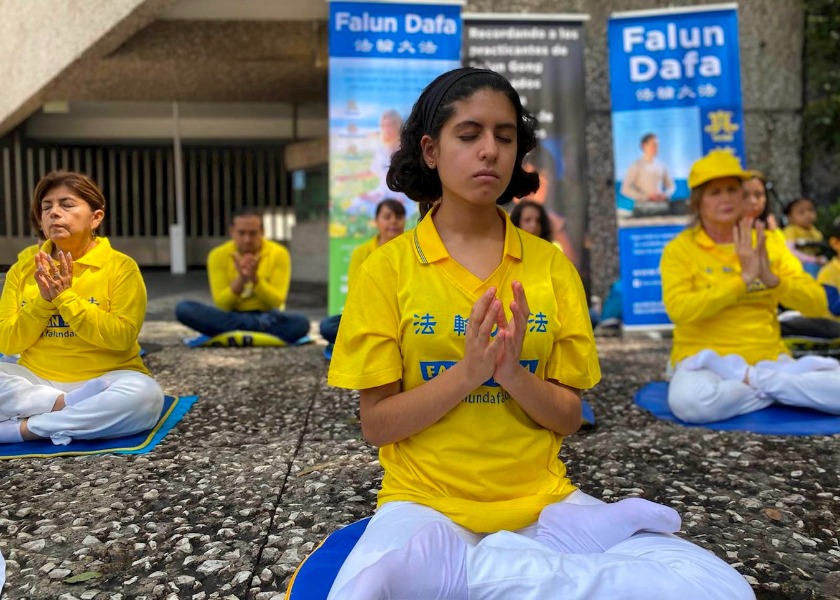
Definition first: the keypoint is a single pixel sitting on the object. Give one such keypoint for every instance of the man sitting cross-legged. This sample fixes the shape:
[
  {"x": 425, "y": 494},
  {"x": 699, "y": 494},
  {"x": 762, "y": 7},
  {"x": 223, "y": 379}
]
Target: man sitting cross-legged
[{"x": 249, "y": 280}]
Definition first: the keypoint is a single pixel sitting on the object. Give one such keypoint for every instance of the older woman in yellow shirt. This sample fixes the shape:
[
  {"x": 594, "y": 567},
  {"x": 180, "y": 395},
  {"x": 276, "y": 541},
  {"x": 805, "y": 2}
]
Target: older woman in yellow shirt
[
  {"x": 722, "y": 281},
  {"x": 73, "y": 312}
]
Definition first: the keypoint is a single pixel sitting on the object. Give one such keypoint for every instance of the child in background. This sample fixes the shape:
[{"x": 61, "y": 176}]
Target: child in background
[
  {"x": 803, "y": 238},
  {"x": 757, "y": 202}
]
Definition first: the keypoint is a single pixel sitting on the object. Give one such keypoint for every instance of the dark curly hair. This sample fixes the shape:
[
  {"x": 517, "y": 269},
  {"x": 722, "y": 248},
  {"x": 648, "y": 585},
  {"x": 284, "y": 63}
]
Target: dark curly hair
[
  {"x": 410, "y": 174},
  {"x": 545, "y": 225}
]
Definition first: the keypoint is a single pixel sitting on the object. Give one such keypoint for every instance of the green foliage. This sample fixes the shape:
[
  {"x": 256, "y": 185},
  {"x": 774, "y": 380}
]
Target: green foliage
[
  {"x": 821, "y": 114},
  {"x": 826, "y": 215}
]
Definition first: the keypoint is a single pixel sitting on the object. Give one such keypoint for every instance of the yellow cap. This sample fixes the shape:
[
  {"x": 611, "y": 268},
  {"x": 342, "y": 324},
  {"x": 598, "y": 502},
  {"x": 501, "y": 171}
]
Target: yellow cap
[{"x": 715, "y": 165}]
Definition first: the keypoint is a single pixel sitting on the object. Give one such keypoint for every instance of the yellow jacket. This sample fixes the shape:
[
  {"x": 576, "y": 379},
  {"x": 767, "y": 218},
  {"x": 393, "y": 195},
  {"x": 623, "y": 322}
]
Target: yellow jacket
[
  {"x": 274, "y": 274},
  {"x": 88, "y": 330},
  {"x": 711, "y": 306}
]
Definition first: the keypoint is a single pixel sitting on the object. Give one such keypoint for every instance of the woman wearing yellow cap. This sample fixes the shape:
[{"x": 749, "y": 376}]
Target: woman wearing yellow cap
[
  {"x": 73, "y": 312},
  {"x": 722, "y": 281}
]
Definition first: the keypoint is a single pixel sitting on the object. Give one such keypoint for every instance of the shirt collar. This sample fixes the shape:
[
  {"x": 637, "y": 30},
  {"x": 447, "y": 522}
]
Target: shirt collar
[
  {"x": 429, "y": 248},
  {"x": 96, "y": 257},
  {"x": 702, "y": 238}
]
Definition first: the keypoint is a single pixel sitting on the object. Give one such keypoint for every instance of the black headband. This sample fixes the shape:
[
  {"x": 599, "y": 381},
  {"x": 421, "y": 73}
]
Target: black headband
[{"x": 442, "y": 85}]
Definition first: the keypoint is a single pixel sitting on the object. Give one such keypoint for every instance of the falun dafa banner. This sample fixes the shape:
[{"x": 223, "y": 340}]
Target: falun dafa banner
[
  {"x": 382, "y": 55},
  {"x": 675, "y": 87}
]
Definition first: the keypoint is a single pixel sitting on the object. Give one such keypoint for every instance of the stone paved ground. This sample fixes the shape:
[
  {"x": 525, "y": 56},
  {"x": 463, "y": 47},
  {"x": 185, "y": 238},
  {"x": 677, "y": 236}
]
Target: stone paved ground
[{"x": 270, "y": 460}]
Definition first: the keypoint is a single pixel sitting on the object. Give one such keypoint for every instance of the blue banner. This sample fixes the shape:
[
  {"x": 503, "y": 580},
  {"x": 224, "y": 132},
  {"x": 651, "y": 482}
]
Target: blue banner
[
  {"x": 640, "y": 249},
  {"x": 675, "y": 88},
  {"x": 382, "y": 55}
]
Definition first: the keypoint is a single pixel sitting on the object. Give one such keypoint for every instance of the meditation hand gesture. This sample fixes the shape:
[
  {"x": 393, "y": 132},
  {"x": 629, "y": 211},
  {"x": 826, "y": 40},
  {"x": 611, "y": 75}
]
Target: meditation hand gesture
[
  {"x": 53, "y": 278},
  {"x": 768, "y": 278},
  {"x": 246, "y": 266},
  {"x": 513, "y": 334},
  {"x": 483, "y": 351},
  {"x": 749, "y": 256},
  {"x": 496, "y": 355},
  {"x": 755, "y": 264}
]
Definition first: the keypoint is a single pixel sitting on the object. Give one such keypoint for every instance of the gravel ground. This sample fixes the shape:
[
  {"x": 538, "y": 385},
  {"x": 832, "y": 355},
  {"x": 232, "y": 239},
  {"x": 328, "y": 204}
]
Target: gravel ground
[{"x": 270, "y": 460}]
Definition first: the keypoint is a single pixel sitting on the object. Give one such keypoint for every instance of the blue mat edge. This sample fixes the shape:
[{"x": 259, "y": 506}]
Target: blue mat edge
[
  {"x": 750, "y": 422},
  {"x": 311, "y": 571},
  {"x": 182, "y": 406}
]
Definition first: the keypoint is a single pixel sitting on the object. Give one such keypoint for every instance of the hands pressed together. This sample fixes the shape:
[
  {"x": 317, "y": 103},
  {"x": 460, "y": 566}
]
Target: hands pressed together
[
  {"x": 53, "y": 277},
  {"x": 246, "y": 268},
  {"x": 755, "y": 265},
  {"x": 496, "y": 355}
]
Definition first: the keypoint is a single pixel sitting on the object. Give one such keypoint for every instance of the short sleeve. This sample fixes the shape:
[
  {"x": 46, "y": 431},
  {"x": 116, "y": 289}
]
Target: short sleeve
[
  {"x": 574, "y": 357},
  {"x": 367, "y": 350}
]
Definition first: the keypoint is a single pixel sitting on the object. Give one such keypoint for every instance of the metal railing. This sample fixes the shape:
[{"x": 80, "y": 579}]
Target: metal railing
[{"x": 139, "y": 187}]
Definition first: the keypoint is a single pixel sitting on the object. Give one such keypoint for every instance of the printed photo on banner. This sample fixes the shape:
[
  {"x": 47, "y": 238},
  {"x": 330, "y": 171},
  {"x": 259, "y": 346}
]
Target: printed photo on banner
[
  {"x": 652, "y": 151},
  {"x": 675, "y": 88}
]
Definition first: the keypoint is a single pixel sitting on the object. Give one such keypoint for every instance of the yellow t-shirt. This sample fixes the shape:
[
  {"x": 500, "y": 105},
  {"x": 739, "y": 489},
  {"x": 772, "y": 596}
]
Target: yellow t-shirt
[
  {"x": 486, "y": 464},
  {"x": 830, "y": 275},
  {"x": 795, "y": 233},
  {"x": 274, "y": 274},
  {"x": 360, "y": 254},
  {"x": 88, "y": 330},
  {"x": 711, "y": 306}
]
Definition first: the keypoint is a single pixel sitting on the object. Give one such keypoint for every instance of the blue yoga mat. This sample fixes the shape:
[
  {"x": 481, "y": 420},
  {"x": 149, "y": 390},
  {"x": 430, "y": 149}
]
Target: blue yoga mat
[
  {"x": 314, "y": 577},
  {"x": 773, "y": 420},
  {"x": 173, "y": 411},
  {"x": 587, "y": 413}
]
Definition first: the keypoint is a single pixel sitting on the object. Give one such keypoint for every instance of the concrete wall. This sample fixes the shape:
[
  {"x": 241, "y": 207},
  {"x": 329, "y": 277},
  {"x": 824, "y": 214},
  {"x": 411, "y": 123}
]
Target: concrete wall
[
  {"x": 770, "y": 42},
  {"x": 36, "y": 48},
  {"x": 771, "y": 77}
]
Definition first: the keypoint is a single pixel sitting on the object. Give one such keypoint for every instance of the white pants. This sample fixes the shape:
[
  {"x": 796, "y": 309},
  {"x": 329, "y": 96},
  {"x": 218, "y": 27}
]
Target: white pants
[
  {"x": 703, "y": 397},
  {"x": 131, "y": 403},
  {"x": 507, "y": 565}
]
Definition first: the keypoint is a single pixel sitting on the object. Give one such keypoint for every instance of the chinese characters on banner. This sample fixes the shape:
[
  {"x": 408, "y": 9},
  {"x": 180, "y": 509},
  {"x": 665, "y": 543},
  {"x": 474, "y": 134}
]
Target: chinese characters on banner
[
  {"x": 675, "y": 87},
  {"x": 382, "y": 55},
  {"x": 542, "y": 57}
]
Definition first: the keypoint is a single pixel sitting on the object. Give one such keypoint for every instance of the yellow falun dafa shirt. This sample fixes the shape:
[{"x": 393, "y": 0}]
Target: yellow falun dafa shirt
[
  {"x": 795, "y": 233},
  {"x": 711, "y": 306},
  {"x": 359, "y": 255},
  {"x": 274, "y": 274},
  {"x": 87, "y": 330},
  {"x": 486, "y": 464},
  {"x": 830, "y": 275}
]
